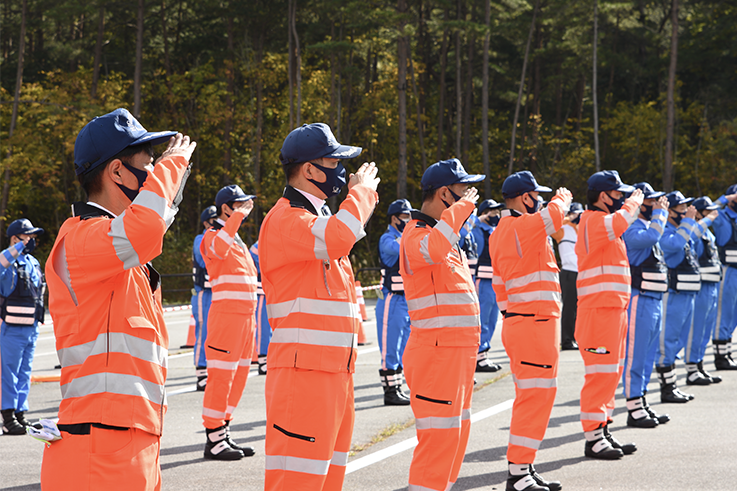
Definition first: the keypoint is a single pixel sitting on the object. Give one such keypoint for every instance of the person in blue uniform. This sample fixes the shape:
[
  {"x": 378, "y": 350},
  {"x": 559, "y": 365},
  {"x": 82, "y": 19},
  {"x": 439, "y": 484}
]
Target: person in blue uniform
[
  {"x": 684, "y": 283},
  {"x": 649, "y": 275},
  {"x": 392, "y": 317},
  {"x": 263, "y": 328},
  {"x": 488, "y": 218},
  {"x": 725, "y": 230},
  {"x": 201, "y": 299},
  {"x": 469, "y": 244},
  {"x": 705, "y": 305},
  {"x": 21, "y": 290}
]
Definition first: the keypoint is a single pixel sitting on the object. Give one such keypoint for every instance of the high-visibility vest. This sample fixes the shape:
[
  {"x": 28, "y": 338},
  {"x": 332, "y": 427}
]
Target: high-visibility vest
[
  {"x": 308, "y": 280},
  {"x": 233, "y": 275},
  {"x": 105, "y": 302},
  {"x": 441, "y": 296},
  {"x": 603, "y": 268},
  {"x": 525, "y": 270}
]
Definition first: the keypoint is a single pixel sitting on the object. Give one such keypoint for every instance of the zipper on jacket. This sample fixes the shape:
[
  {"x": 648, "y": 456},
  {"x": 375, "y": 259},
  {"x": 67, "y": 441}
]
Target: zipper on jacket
[{"x": 107, "y": 348}]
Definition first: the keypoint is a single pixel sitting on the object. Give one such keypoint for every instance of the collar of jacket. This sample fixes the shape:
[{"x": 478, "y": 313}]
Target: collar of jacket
[
  {"x": 84, "y": 211},
  {"x": 509, "y": 212},
  {"x": 418, "y": 215},
  {"x": 298, "y": 200}
]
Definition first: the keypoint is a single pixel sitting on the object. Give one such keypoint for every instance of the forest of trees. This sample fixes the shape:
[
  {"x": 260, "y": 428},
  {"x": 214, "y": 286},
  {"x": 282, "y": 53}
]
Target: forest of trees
[{"x": 503, "y": 85}]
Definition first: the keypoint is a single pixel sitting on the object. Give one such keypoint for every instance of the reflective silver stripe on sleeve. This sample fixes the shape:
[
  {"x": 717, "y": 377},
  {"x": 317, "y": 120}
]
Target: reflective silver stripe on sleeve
[
  {"x": 223, "y": 235},
  {"x": 550, "y": 276},
  {"x": 297, "y": 464},
  {"x": 523, "y": 441},
  {"x": 613, "y": 368},
  {"x": 548, "y": 221},
  {"x": 114, "y": 342},
  {"x": 123, "y": 247},
  {"x": 656, "y": 225},
  {"x": 339, "y": 458},
  {"x": 603, "y": 287},
  {"x": 438, "y": 423},
  {"x": 313, "y": 337},
  {"x": 315, "y": 307},
  {"x": 318, "y": 230},
  {"x": 113, "y": 383},
  {"x": 231, "y": 295},
  {"x": 535, "y": 383},
  {"x": 447, "y": 321},
  {"x": 352, "y": 222},
  {"x": 682, "y": 232},
  {"x": 601, "y": 270},
  {"x": 460, "y": 298},
  {"x": 609, "y": 225},
  {"x": 628, "y": 218},
  {"x": 497, "y": 280},
  {"x": 534, "y": 296},
  {"x": 425, "y": 249},
  {"x": 688, "y": 226},
  {"x": 593, "y": 416},
  {"x": 154, "y": 202},
  {"x": 222, "y": 365},
  {"x": 234, "y": 278},
  {"x": 447, "y": 232}
]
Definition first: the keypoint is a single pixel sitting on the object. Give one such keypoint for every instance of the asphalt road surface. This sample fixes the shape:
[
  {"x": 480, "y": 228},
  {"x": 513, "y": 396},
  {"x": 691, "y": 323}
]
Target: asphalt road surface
[{"x": 695, "y": 451}]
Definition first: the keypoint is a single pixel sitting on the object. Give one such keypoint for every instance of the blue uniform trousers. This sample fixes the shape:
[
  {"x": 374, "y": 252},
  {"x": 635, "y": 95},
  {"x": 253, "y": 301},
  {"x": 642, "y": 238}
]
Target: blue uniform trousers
[
  {"x": 678, "y": 310},
  {"x": 392, "y": 327},
  {"x": 644, "y": 317},
  {"x": 201, "y": 301},
  {"x": 727, "y": 306},
  {"x": 263, "y": 328},
  {"x": 489, "y": 311},
  {"x": 704, "y": 319},
  {"x": 17, "y": 345}
]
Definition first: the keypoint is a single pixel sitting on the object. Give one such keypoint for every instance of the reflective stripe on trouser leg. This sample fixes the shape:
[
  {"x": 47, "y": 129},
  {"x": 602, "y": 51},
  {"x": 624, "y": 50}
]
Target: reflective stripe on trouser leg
[
  {"x": 442, "y": 428},
  {"x": 489, "y": 311},
  {"x": 228, "y": 335},
  {"x": 603, "y": 329},
  {"x": 727, "y": 314},
  {"x": 532, "y": 347},
  {"x": 315, "y": 413},
  {"x": 200, "y": 310},
  {"x": 392, "y": 327},
  {"x": 704, "y": 315},
  {"x": 244, "y": 366},
  {"x": 644, "y": 317},
  {"x": 677, "y": 314}
]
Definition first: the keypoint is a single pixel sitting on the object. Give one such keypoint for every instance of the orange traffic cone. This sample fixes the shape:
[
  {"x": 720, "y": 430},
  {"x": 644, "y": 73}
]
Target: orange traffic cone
[
  {"x": 190, "y": 335},
  {"x": 362, "y": 307}
]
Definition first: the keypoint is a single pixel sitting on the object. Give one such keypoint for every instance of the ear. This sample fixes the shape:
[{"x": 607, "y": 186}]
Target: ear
[{"x": 114, "y": 171}]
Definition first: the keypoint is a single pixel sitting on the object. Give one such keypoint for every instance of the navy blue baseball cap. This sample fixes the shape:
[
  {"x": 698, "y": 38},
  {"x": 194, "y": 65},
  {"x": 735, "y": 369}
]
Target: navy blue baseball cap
[
  {"x": 447, "y": 173},
  {"x": 575, "y": 208},
  {"x": 106, "y": 136},
  {"x": 231, "y": 193},
  {"x": 314, "y": 141},
  {"x": 399, "y": 207},
  {"x": 648, "y": 190},
  {"x": 705, "y": 203},
  {"x": 208, "y": 214},
  {"x": 489, "y": 204},
  {"x": 23, "y": 226},
  {"x": 731, "y": 190},
  {"x": 676, "y": 198},
  {"x": 520, "y": 183},
  {"x": 608, "y": 180}
]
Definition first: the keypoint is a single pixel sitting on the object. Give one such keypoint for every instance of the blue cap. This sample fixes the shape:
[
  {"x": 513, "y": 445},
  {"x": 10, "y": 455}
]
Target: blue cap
[
  {"x": 106, "y": 136},
  {"x": 23, "y": 226},
  {"x": 489, "y": 204},
  {"x": 575, "y": 208},
  {"x": 676, "y": 198},
  {"x": 208, "y": 214},
  {"x": 608, "y": 180},
  {"x": 648, "y": 190},
  {"x": 314, "y": 141},
  {"x": 231, "y": 193},
  {"x": 520, "y": 183},
  {"x": 447, "y": 173},
  {"x": 731, "y": 190},
  {"x": 704, "y": 203},
  {"x": 399, "y": 207}
]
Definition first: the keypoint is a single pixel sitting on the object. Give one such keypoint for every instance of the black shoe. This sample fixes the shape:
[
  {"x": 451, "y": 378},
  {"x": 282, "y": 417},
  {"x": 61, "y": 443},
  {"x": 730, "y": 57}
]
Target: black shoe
[
  {"x": 647, "y": 422},
  {"x": 11, "y": 426},
  {"x": 551, "y": 485},
  {"x": 217, "y": 447},
  {"x": 21, "y": 417},
  {"x": 262, "y": 364},
  {"x": 569, "y": 346},
  {"x": 523, "y": 483},
  {"x": 724, "y": 363},
  {"x": 247, "y": 451},
  {"x": 695, "y": 377},
  {"x": 690, "y": 397},
  {"x": 662, "y": 418},
  {"x": 393, "y": 396},
  {"x": 715, "y": 379},
  {"x": 201, "y": 374},
  {"x": 626, "y": 448},
  {"x": 487, "y": 366},
  {"x": 602, "y": 449},
  {"x": 670, "y": 394}
]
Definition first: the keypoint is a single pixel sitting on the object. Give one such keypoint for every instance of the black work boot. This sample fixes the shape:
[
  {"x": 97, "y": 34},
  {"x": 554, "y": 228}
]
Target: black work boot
[
  {"x": 638, "y": 416},
  {"x": 668, "y": 390},
  {"x": 551, "y": 485},
  {"x": 262, "y": 364},
  {"x": 519, "y": 478},
  {"x": 391, "y": 381},
  {"x": 626, "y": 448},
  {"x": 217, "y": 447},
  {"x": 723, "y": 355},
  {"x": 21, "y": 417},
  {"x": 484, "y": 364},
  {"x": 247, "y": 451},
  {"x": 695, "y": 377},
  {"x": 599, "y": 447},
  {"x": 11, "y": 426},
  {"x": 662, "y": 418},
  {"x": 715, "y": 379},
  {"x": 201, "y": 373}
]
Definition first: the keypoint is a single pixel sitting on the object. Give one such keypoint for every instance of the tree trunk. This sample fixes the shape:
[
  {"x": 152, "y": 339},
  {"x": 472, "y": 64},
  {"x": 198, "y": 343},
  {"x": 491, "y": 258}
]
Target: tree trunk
[
  {"x": 469, "y": 99},
  {"x": 670, "y": 125},
  {"x": 420, "y": 128},
  {"x": 485, "y": 101},
  {"x": 257, "y": 144},
  {"x": 331, "y": 116},
  {"x": 459, "y": 92},
  {"x": 98, "y": 50},
  {"x": 13, "y": 118},
  {"x": 139, "y": 61},
  {"x": 290, "y": 68},
  {"x": 167, "y": 61},
  {"x": 441, "y": 102},
  {"x": 297, "y": 64},
  {"x": 537, "y": 83},
  {"x": 402, "y": 42},
  {"x": 229, "y": 101},
  {"x": 521, "y": 87},
  {"x": 580, "y": 89},
  {"x": 593, "y": 87}
]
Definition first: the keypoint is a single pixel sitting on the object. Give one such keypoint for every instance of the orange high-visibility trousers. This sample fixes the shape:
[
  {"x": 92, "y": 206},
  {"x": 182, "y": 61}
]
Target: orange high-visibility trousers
[
  {"x": 309, "y": 425},
  {"x": 228, "y": 347},
  {"x": 441, "y": 381},
  {"x": 113, "y": 460},
  {"x": 600, "y": 334},
  {"x": 532, "y": 347}
]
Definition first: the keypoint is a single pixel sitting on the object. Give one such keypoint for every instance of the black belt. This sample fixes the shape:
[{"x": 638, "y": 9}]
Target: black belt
[{"x": 84, "y": 428}]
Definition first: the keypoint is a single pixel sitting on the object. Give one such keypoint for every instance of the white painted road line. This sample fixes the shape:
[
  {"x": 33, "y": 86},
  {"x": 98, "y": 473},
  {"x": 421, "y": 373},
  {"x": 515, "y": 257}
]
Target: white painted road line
[{"x": 410, "y": 443}]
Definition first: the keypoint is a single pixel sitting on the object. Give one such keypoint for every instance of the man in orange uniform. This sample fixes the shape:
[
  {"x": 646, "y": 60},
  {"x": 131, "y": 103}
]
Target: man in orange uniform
[
  {"x": 603, "y": 285},
  {"x": 313, "y": 310},
  {"x": 105, "y": 301},
  {"x": 230, "y": 323},
  {"x": 527, "y": 289},
  {"x": 445, "y": 323}
]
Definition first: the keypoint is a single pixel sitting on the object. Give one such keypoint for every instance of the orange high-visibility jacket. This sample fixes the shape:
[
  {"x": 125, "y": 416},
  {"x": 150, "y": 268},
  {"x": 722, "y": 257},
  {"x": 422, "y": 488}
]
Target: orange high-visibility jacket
[
  {"x": 525, "y": 270},
  {"x": 106, "y": 306},
  {"x": 603, "y": 268},
  {"x": 308, "y": 280},
  {"x": 440, "y": 293},
  {"x": 233, "y": 274}
]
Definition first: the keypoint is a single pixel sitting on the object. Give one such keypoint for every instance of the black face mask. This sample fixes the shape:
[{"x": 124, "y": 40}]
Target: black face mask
[
  {"x": 532, "y": 209},
  {"x": 455, "y": 197},
  {"x": 493, "y": 221},
  {"x": 30, "y": 246},
  {"x": 678, "y": 217},
  {"x": 334, "y": 179},
  {"x": 646, "y": 212},
  {"x": 400, "y": 226},
  {"x": 577, "y": 219},
  {"x": 733, "y": 205},
  {"x": 616, "y": 204},
  {"x": 141, "y": 175}
]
